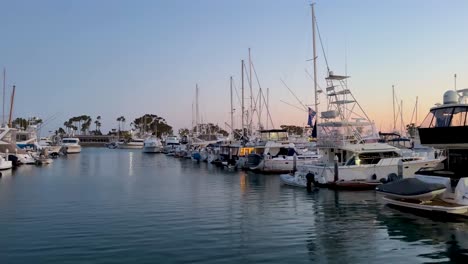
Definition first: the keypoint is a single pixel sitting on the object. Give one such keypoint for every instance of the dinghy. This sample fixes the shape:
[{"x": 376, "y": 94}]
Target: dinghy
[{"x": 296, "y": 180}]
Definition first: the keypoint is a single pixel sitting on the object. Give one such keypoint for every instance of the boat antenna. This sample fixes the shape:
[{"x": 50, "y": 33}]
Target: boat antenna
[{"x": 455, "y": 80}]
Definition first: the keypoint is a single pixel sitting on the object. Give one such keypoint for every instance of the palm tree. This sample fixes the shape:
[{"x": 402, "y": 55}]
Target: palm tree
[
  {"x": 98, "y": 125},
  {"x": 123, "y": 122}
]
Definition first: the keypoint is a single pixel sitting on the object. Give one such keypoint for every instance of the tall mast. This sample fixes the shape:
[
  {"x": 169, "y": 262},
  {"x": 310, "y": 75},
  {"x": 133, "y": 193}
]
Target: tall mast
[
  {"x": 315, "y": 62},
  {"x": 232, "y": 111},
  {"x": 401, "y": 117},
  {"x": 4, "y": 80},
  {"x": 251, "y": 92},
  {"x": 267, "y": 107},
  {"x": 197, "y": 113},
  {"x": 260, "y": 94},
  {"x": 11, "y": 105},
  {"x": 242, "y": 71},
  {"x": 394, "y": 116},
  {"x": 416, "y": 122}
]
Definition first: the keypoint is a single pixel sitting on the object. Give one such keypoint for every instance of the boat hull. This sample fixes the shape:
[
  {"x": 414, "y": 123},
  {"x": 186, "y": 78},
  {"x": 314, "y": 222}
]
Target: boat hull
[
  {"x": 72, "y": 149},
  {"x": 369, "y": 173},
  {"x": 5, "y": 164},
  {"x": 129, "y": 146},
  {"x": 461, "y": 210},
  {"x": 152, "y": 149}
]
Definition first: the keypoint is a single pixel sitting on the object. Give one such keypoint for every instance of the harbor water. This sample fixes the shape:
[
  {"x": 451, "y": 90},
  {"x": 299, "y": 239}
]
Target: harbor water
[{"x": 124, "y": 206}]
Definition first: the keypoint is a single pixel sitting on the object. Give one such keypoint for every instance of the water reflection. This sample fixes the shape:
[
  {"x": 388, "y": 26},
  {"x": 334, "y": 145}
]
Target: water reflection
[
  {"x": 449, "y": 239},
  {"x": 89, "y": 203},
  {"x": 130, "y": 163}
]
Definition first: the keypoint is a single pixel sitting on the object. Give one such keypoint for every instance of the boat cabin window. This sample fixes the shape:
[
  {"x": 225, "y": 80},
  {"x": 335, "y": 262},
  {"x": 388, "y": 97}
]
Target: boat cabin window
[
  {"x": 274, "y": 135},
  {"x": 21, "y": 137},
  {"x": 390, "y": 154},
  {"x": 428, "y": 120},
  {"x": 371, "y": 158},
  {"x": 446, "y": 117},
  {"x": 351, "y": 161},
  {"x": 245, "y": 151},
  {"x": 70, "y": 141},
  {"x": 459, "y": 117}
]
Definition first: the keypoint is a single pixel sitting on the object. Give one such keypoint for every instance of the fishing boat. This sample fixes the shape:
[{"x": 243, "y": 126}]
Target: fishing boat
[
  {"x": 443, "y": 189},
  {"x": 347, "y": 137},
  {"x": 71, "y": 145}
]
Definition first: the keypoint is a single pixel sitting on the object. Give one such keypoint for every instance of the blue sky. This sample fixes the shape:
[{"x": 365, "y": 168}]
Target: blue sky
[{"x": 114, "y": 58}]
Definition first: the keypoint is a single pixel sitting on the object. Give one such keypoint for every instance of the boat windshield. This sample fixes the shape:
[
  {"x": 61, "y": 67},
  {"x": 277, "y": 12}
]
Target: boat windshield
[{"x": 446, "y": 117}]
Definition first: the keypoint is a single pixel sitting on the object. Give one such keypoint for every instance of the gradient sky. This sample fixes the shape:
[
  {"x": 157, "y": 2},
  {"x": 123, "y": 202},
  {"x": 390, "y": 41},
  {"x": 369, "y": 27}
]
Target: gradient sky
[{"x": 114, "y": 57}]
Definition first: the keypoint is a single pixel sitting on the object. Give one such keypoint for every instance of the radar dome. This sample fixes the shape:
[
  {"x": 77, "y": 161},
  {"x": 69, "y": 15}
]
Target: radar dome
[{"x": 450, "y": 97}]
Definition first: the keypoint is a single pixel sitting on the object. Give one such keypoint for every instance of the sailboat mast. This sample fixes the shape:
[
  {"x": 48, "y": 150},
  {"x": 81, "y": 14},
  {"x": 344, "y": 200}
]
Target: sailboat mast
[
  {"x": 393, "y": 99},
  {"x": 11, "y": 105},
  {"x": 4, "y": 80},
  {"x": 416, "y": 122},
  {"x": 315, "y": 61},
  {"x": 232, "y": 111},
  {"x": 260, "y": 94},
  {"x": 242, "y": 74},
  {"x": 401, "y": 117},
  {"x": 267, "y": 109},
  {"x": 251, "y": 92},
  {"x": 197, "y": 113}
]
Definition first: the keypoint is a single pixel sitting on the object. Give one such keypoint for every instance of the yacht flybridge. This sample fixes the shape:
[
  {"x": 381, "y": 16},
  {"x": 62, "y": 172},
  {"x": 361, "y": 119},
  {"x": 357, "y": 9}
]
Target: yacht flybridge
[{"x": 443, "y": 189}]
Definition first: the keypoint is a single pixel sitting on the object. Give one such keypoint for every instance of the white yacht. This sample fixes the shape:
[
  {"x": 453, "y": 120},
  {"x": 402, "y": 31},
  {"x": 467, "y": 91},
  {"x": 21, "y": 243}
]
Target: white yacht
[
  {"x": 275, "y": 154},
  {"x": 152, "y": 145},
  {"x": 346, "y": 136},
  {"x": 71, "y": 145},
  {"x": 443, "y": 189},
  {"x": 134, "y": 143},
  {"x": 170, "y": 144},
  {"x": 47, "y": 143}
]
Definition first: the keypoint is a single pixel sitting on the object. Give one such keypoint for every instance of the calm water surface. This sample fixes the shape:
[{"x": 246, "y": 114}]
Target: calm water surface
[{"x": 123, "y": 206}]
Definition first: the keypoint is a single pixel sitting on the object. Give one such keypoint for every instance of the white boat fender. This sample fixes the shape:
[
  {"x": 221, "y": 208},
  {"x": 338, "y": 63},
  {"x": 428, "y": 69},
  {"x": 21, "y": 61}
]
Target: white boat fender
[{"x": 461, "y": 192}]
